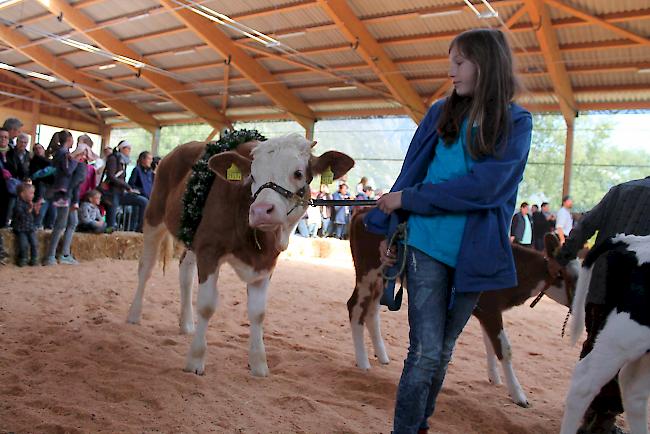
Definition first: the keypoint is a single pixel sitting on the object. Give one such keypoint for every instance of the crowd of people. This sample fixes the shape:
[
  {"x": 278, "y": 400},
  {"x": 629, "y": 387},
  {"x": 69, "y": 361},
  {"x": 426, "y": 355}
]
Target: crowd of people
[
  {"x": 67, "y": 190},
  {"x": 334, "y": 221},
  {"x": 531, "y": 223}
]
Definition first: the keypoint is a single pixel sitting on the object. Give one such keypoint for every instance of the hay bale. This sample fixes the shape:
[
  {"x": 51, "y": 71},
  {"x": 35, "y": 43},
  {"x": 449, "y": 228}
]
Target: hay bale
[{"x": 128, "y": 245}]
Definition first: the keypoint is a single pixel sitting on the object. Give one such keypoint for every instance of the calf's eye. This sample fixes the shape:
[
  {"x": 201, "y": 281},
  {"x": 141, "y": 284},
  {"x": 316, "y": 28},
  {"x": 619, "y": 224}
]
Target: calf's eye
[{"x": 297, "y": 174}]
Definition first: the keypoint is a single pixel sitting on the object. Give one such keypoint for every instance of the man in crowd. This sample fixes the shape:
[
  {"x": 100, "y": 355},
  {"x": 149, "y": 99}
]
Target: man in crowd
[
  {"x": 521, "y": 230},
  {"x": 564, "y": 222},
  {"x": 624, "y": 209},
  {"x": 13, "y": 126},
  {"x": 18, "y": 158},
  {"x": 543, "y": 223}
]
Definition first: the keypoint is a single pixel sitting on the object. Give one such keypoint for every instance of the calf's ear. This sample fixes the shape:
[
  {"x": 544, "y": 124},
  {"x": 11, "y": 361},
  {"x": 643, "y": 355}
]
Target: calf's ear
[
  {"x": 230, "y": 166},
  {"x": 338, "y": 162}
]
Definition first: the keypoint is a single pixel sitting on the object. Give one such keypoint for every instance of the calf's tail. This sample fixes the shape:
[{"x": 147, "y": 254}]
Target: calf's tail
[{"x": 167, "y": 250}]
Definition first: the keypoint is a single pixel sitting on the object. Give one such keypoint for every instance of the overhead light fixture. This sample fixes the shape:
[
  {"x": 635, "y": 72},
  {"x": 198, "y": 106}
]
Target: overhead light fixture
[
  {"x": 490, "y": 13},
  {"x": 104, "y": 109},
  {"x": 291, "y": 35},
  {"x": 441, "y": 13},
  {"x": 643, "y": 71},
  {"x": 7, "y": 3},
  {"x": 163, "y": 103},
  {"x": 139, "y": 16},
  {"x": 181, "y": 52},
  {"x": 226, "y": 21},
  {"x": 241, "y": 95},
  {"x": 341, "y": 88},
  {"x": 34, "y": 74},
  {"x": 109, "y": 66},
  {"x": 92, "y": 49}
]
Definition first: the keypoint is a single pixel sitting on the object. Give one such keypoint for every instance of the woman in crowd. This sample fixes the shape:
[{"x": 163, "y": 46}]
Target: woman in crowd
[{"x": 119, "y": 192}]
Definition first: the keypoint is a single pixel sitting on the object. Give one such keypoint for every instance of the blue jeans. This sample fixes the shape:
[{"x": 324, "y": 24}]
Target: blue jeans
[
  {"x": 65, "y": 225},
  {"x": 119, "y": 198},
  {"x": 437, "y": 315},
  {"x": 27, "y": 241}
]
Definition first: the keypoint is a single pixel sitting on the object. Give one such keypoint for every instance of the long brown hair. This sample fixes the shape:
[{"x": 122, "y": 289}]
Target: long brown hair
[
  {"x": 56, "y": 142},
  {"x": 495, "y": 87}
]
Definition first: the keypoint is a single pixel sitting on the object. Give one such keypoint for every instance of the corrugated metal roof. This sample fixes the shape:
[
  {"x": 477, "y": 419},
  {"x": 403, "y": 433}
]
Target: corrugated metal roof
[
  {"x": 419, "y": 46},
  {"x": 106, "y": 10}
]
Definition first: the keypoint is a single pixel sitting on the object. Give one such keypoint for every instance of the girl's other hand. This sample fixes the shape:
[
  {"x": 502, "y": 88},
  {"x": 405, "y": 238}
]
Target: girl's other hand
[
  {"x": 386, "y": 256},
  {"x": 389, "y": 202}
]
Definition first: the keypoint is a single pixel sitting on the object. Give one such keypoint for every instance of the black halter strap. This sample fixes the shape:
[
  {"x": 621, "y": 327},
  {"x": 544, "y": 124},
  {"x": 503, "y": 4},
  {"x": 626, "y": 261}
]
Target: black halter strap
[{"x": 298, "y": 197}]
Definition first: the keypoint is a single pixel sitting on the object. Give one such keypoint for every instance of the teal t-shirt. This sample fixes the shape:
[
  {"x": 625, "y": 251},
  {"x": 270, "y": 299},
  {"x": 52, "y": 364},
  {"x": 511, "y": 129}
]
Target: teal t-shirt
[{"x": 439, "y": 236}]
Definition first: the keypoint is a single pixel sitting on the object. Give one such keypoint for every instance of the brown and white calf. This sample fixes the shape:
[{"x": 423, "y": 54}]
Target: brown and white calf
[
  {"x": 533, "y": 272},
  {"x": 244, "y": 223},
  {"x": 623, "y": 344}
]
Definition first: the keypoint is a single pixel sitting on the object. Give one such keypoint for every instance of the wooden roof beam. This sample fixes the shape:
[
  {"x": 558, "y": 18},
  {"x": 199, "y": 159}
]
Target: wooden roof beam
[
  {"x": 548, "y": 43},
  {"x": 371, "y": 51},
  {"x": 249, "y": 67},
  {"x": 69, "y": 73},
  {"x": 174, "y": 89},
  {"x": 592, "y": 19}
]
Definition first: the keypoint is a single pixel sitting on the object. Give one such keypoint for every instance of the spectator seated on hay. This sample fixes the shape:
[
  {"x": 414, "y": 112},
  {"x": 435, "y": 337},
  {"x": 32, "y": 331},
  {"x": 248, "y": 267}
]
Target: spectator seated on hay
[{"x": 90, "y": 216}]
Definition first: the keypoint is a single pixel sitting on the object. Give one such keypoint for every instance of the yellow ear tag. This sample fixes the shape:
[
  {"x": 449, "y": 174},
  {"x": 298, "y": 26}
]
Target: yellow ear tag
[
  {"x": 327, "y": 177},
  {"x": 233, "y": 173}
]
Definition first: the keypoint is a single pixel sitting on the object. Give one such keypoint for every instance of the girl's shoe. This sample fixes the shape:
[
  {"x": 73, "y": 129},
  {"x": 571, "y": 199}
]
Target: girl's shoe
[
  {"x": 50, "y": 260},
  {"x": 68, "y": 260}
]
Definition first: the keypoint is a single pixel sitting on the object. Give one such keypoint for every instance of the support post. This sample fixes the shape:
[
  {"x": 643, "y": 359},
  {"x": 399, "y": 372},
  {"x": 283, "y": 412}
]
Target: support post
[
  {"x": 309, "y": 131},
  {"x": 568, "y": 159},
  {"x": 105, "y": 131},
  {"x": 155, "y": 141},
  {"x": 36, "y": 115}
]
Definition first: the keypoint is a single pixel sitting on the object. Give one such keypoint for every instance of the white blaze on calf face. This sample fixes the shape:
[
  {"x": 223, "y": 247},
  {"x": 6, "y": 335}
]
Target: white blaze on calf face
[{"x": 283, "y": 161}]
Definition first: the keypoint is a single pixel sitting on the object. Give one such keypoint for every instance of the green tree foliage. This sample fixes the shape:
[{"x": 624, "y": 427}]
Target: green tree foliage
[
  {"x": 598, "y": 163},
  {"x": 379, "y": 145}
]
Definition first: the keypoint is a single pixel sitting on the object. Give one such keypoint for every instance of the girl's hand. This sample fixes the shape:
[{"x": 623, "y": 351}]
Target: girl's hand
[
  {"x": 389, "y": 202},
  {"x": 386, "y": 256}
]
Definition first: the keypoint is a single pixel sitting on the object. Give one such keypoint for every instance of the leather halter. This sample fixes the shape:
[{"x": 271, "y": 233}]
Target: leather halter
[
  {"x": 550, "y": 280},
  {"x": 298, "y": 197}
]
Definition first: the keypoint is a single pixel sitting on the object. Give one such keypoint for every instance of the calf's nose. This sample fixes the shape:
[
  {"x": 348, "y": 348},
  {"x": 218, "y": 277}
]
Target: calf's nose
[{"x": 261, "y": 212}]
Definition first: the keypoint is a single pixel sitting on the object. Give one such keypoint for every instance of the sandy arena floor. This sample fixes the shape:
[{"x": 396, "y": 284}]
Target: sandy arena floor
[{"x": 70, "y": 363}]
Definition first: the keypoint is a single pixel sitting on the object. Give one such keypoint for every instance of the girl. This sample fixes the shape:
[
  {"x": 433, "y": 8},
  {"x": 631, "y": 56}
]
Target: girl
[
  {"x": 142, "y": 175},
  {"x": 456, "y": 192},
  {"x": 62, "y": 191}
]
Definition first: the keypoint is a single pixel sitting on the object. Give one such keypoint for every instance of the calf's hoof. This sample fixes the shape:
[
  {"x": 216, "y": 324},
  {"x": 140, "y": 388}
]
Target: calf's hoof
[{"x": 195, "y": 366}]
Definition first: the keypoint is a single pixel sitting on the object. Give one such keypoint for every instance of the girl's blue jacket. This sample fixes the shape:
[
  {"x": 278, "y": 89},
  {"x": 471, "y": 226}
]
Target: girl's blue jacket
[{"x": 487, "y": 195}]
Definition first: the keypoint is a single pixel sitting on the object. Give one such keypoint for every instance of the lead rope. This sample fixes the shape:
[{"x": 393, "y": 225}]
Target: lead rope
[{"x": 399, "y": 234}]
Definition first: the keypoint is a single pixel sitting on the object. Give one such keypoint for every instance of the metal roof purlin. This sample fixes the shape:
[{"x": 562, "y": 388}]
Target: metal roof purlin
[
  {"x": 174, "y": 89},
  {"x": 222, "y": 44},
  {"x": 67, "y": 72},
  {"x": 372, "y": 52},
  {"x": 47, "y": 94},
  {"x": 598, "y": 21},
  {"x": 548, "y": 43}
]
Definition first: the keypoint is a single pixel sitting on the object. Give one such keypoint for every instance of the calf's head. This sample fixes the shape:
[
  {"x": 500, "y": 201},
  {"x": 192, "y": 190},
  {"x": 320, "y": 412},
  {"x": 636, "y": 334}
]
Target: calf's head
[{"x": 279, "y": 175}]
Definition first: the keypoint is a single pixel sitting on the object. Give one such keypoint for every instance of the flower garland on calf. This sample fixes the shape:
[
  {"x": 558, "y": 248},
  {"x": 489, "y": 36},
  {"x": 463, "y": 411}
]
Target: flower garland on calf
[{"x": 201, "y": 179}]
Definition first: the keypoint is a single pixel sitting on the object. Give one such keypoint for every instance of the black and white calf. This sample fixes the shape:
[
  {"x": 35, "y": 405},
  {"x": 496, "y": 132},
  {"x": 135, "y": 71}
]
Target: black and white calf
[{"x": 623, "y": 344}]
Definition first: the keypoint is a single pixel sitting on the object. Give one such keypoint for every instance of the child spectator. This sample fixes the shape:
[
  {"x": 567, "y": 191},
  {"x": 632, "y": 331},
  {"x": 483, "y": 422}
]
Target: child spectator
[
  {"x": 142, "y": 175},
  {"x": 22, "y": 222},
  {"x": 90, "y": 217}
]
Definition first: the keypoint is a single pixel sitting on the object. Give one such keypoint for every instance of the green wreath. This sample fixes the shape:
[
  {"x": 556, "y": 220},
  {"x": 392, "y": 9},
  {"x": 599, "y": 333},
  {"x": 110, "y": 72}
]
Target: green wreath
[{"x": 200, "y": 182}]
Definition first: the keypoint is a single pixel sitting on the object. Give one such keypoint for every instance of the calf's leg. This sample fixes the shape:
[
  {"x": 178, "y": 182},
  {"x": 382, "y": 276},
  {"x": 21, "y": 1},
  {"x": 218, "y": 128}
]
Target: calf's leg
[
  {"x": 618, "y": 343},
  {"x": 514, "y": 388},
  {"x": 634, "y": 380},
  {"x": 358, "y": 317},
  {"x": 206, "y": 304},
  {"x": 186, "y": 276},
  {"x": 493, "y": 370},
  {"x": 256, "y": 308},
  {"x": 153, "y": 236}
]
